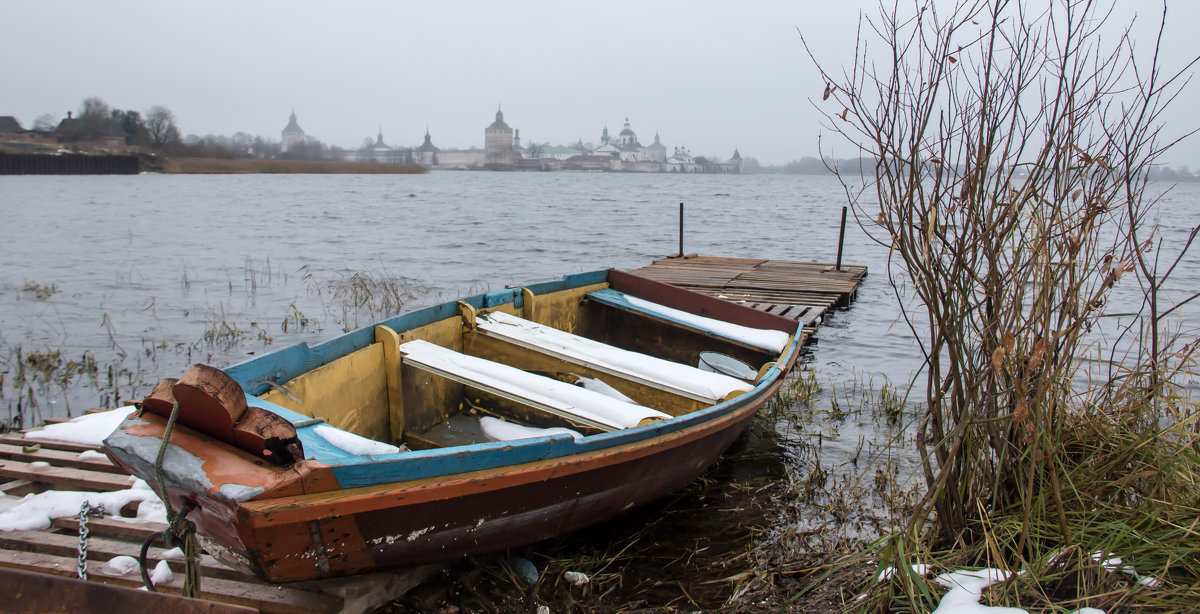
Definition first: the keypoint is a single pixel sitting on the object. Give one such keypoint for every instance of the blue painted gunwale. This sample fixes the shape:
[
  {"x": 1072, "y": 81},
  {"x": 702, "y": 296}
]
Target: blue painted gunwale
[{"x": 353, "y": 470}]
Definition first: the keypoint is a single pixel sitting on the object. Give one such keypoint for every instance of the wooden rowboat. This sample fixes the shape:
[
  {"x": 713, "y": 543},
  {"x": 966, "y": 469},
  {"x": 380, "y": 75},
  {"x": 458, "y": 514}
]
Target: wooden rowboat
[{"x": 506, "y": 407}]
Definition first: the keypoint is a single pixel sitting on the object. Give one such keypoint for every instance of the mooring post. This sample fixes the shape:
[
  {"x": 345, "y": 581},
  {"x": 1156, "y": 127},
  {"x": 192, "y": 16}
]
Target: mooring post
[
  {"x": 681, "y": 230},
  {"x": 841, "y": 238}
]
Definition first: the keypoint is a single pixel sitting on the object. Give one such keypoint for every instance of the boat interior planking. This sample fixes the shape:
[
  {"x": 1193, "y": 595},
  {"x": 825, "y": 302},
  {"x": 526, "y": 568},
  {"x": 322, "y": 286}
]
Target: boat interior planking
[{"x": 428, "y": 380}]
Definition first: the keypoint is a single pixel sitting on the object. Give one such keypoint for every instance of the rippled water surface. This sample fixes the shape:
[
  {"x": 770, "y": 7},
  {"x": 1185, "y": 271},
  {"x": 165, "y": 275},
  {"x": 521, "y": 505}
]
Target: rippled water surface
[
  {"x": 142, "y": 268},
  {"x": 108, "y": 283}
]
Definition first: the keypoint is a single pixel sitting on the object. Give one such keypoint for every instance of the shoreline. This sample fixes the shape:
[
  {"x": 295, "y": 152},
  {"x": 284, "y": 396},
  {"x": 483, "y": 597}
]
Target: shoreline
[{"x": 218, "y": 166}]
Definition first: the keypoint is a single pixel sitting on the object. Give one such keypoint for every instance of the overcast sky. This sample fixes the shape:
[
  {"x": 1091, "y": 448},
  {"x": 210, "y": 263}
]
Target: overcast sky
[{"x": 712, "y": 76}]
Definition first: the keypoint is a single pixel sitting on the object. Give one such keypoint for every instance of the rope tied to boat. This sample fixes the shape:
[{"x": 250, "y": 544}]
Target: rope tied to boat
[{"x": 180, "y": 532}]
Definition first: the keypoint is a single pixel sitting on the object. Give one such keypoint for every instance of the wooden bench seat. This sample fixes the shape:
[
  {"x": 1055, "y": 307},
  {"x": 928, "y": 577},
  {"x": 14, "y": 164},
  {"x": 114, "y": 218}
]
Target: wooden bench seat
[
  {"x": 548, "y": 395},
  {"x": 759, "y": 339},
  {"x": 676, "y": 378}
]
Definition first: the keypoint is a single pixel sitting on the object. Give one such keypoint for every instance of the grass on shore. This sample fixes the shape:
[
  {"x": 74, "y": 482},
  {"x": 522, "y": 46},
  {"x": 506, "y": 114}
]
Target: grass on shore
[{"x": 218, "y": 166}]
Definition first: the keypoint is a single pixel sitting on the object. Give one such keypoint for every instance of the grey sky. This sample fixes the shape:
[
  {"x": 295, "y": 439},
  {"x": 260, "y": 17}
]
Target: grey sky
[{"x": 711, "y": 76}]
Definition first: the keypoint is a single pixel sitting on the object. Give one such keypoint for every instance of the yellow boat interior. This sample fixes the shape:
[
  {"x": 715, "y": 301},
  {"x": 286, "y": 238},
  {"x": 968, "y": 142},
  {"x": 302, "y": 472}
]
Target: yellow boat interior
[{"x": 589, "y": 358}]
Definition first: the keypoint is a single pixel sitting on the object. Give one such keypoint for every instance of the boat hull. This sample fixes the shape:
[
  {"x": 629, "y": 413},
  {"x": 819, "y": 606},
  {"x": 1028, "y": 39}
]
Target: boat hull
[
  {"x": 338, "y": 513},
  {"x": 445, "y": 518}
]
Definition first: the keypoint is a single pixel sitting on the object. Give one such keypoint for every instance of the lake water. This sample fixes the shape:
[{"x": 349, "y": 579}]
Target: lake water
[
  {"x": 142, "y": 267},
  {"x": 109, "y": 283}
]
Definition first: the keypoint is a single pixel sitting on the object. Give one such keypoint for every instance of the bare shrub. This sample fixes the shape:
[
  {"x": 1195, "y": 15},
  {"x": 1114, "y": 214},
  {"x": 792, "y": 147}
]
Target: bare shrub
[{"x": 1013, "y": 150}]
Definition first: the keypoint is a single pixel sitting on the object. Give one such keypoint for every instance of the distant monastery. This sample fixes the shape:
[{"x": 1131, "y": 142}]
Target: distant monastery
[{"x": 502, "y": 150}]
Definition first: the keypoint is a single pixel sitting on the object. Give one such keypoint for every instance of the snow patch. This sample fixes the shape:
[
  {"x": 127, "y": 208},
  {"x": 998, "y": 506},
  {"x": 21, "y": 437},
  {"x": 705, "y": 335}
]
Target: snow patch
[
  {"x": 121, "y": 566},
  {"x": 704, "y": 384},
  {"x": 773, "y": 340},
  {"x": 36, "y": 512},
  {"x": 354, "y": 444},
  {"x": 886, "y": 573},
  {"x": 966, "y": 588},
  {"x": 92, "y": 455},
  {"x": 597, "y": 385},
  {"x": 88, "y": 429},
  {"x": 582, "y": 403},
  {"x": 162, "y": 574},
  {"x": 506, "y": 431}
]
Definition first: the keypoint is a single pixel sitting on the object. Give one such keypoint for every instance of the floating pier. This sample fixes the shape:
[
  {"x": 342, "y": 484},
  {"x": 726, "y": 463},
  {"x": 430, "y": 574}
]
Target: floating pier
[
  {"x": 800, "y": 291},
  {"x": 803, "y": 292}
]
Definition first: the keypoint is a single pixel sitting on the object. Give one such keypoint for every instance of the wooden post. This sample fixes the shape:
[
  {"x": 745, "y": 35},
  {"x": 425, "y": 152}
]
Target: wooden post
[
  {"x": 681, "y": 230},
  {"x": 841, "y": 239}
]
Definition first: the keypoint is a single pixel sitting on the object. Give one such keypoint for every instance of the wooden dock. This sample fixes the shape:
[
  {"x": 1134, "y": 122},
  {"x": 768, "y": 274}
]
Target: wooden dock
[
  {"x": 33, "y": 466},
  {"x": 803, "y": 292}
]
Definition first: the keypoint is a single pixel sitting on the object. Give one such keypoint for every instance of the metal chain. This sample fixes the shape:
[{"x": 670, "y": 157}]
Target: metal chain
[{"x": 85, "y": 510}]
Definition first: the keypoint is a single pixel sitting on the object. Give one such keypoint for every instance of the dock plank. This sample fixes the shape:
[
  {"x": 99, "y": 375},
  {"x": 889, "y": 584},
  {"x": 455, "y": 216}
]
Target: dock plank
[
  {"x": 102, "y": 549},
  {"x": 20, "y": 440},
  {"x": 776, "y": 286},
  {"x": 263, "y": 597},
  {"x": 64, "y": 478},
  {"x": 801, "y": 291},
  {"x": 58, "y": 458}
]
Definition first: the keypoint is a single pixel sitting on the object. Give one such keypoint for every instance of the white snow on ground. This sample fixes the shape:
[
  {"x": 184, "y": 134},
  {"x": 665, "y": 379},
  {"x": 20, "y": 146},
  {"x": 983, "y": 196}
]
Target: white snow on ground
[
  {"x": 162, "y": 574},
  {"x": 887, "y": 572},
  {"x": 88, "y": 429},
  {"x": 774, "y": 340},
  {"x": 174, "y": 554},
  {"x": 506, "y": 431},
  {"x": 1117, "y": 564},
  {"x": 121, "y": 565},
  {"x": 352, "y": 443},
  {"x": 36, "y": 512},
  {"x": 966, "y": 588},
  {"x": 92, "y": 455}
]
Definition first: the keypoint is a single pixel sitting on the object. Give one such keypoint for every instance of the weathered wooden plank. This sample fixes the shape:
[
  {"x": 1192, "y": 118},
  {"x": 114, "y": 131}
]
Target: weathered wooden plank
[
  {"x": 800, "y": 291},
  {"x": 59, "y": 458},
  {"x": 111, "y": 527},
  {"x": 102, "y": 549},
  {"x": 38, "y": 593},
  {"x": 18, "y": 439},
  {"x": 63, "y": 478},
  {"x": 18, "y": 488},
  {"x": 263, "y": 597}
]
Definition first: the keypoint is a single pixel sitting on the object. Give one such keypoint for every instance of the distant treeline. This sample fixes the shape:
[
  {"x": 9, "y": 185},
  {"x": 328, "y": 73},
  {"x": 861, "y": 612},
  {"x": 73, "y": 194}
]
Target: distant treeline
[
  {"x": 817, "y": 166},
  {"x": 807, "y": 166}
]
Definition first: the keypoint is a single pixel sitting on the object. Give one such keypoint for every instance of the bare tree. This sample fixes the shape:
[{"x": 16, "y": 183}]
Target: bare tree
[
  {"x": 45, "y": 123},
  {"x": 1012, "y": 149},
  {"x": 160, "y": 124},
  {"x": 94, "y": 107}
]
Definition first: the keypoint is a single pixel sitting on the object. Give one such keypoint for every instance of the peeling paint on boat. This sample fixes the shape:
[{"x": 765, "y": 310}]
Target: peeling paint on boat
[
  {"x": 181, "y": 468},
  {"x": 238, "y": 492}
]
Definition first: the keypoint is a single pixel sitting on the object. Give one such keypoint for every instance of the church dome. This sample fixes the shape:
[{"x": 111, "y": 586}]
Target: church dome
[
  {"x": 627, "y": 131},
  {"x": 428, "y": 144},
  {"x": 292, "y": 127},
  {"x": 499, "y": 123}
]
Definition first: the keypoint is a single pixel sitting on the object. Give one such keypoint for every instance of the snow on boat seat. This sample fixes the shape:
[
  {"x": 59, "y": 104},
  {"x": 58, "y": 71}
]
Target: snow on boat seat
[
  {"x": 677, "y": 378},
  {"x": 760, "y": 338},
  {"x": 546, "y": 394}
]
